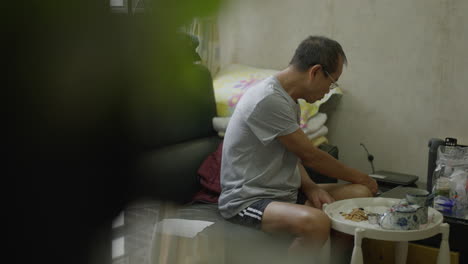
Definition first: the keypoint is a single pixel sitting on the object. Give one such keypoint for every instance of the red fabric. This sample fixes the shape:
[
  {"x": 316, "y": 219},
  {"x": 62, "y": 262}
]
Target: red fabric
[{"x": 209, "y": 173}]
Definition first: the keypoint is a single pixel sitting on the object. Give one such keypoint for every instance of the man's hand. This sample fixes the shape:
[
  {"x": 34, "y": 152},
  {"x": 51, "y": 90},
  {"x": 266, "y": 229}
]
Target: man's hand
[
  {"x": 370, "y": 183},
  {"x": 318, "y": 196}
]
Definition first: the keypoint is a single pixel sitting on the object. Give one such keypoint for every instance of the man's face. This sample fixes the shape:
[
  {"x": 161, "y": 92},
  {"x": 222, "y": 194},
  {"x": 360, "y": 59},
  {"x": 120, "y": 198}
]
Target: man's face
[{"x": 322, "y": 83}]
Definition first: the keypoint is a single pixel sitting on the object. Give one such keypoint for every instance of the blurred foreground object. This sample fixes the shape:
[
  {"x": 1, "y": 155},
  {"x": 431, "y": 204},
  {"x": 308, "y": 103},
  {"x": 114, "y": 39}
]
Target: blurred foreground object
[{"x": 81, "y": 84}]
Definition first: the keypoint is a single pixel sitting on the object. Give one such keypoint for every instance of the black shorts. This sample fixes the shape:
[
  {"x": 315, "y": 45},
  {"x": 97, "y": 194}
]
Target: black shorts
[
  {"x": 301, "y": 198},
  {"x": 253, "y": 214}
]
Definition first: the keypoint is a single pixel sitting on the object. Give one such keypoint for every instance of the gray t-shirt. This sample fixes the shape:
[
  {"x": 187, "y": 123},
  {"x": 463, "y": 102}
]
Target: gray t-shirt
[{"x": 255, "y": 165}]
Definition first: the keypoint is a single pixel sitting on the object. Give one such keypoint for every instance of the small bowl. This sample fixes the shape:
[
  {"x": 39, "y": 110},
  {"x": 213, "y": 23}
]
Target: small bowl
[{"x": 373, "y": 218}]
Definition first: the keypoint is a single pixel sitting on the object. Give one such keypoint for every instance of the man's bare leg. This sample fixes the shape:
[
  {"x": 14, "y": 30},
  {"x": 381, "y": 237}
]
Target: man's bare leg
[
  {"x": 346, "y": 191},
  {"x": 310, "y": 225}
]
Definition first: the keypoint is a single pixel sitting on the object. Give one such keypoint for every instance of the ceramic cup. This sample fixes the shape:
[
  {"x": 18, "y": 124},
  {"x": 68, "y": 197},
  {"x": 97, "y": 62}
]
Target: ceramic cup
[
  {"x": 401, "y": 217},
  {"x": 419, "y": 197},
  {"x": 373, "y": 218}
]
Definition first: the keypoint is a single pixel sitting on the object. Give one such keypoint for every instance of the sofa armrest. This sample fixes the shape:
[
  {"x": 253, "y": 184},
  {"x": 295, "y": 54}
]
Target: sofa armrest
[
  {"x": 317, "y": 177},
  {"x": 170, "y": 173}
]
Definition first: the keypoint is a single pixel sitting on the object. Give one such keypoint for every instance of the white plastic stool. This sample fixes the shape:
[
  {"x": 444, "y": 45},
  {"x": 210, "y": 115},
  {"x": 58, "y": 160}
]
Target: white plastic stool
[
  {"x": 363, "y": 229},
  {"x": 401, "y": 248}
]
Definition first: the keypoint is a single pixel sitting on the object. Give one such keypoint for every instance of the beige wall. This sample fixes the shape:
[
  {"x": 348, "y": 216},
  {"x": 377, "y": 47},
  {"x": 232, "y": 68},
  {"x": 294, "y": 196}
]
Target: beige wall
[{"x": 407, "y": 78}]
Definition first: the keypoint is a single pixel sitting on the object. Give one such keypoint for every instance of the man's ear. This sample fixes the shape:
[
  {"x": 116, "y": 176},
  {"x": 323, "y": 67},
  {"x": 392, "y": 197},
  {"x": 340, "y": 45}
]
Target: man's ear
[{"x": 314, "y": 70}]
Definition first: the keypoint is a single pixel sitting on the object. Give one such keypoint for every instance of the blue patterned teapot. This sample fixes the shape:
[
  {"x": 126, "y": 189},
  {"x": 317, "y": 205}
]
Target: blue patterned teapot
[{"x": 402, "y": 216}]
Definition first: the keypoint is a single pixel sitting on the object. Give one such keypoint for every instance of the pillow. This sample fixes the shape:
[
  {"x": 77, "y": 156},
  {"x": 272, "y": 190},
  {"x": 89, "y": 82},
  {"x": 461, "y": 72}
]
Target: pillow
[{"x": 234, "y": 80}]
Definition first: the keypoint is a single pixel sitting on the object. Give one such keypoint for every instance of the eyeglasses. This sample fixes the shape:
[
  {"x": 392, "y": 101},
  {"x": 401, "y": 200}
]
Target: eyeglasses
[{"x": 334, "y": 84}]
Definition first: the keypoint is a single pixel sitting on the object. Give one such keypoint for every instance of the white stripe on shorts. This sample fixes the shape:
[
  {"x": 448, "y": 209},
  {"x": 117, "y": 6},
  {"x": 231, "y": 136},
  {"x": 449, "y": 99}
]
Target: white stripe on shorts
[
  {"x": 255, "y": 211},
  {"x": 253, "y": 215}
]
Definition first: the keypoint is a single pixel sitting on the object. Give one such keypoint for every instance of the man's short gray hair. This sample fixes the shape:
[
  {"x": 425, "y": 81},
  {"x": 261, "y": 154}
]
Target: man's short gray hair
[{"x": 318, "y": 50}]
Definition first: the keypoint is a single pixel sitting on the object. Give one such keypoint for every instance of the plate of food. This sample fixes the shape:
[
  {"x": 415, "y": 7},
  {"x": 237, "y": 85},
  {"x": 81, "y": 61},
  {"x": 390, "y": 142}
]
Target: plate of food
[{"x": 347, "y": 215}]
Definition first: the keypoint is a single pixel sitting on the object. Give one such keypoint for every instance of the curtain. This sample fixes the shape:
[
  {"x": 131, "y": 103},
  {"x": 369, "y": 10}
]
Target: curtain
[{"x": 206, "y": 29}]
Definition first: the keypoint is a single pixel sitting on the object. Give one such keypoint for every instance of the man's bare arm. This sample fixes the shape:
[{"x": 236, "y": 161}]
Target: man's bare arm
[
  {"x": 307, "y": 184},
  {"x": 298, "y": 143},
  {"x": 315, "y": 195}
]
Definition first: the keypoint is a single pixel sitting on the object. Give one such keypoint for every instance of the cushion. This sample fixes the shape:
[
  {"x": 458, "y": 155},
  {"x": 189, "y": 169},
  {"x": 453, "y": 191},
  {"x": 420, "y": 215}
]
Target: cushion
[
  {"x": 233, "y": 81},
  {"x": 209, "y": 172}
]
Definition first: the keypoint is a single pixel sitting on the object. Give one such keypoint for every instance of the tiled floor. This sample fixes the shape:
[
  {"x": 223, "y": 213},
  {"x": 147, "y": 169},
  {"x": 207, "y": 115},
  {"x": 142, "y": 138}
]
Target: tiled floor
[{"x": 135, "y": 228}]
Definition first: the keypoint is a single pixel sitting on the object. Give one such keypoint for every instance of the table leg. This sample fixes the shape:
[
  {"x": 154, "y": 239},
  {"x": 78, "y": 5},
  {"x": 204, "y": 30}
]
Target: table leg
[
  {"x": 357, "y": 250},
  {"x": 325, "y": 252},
  {"x": 444, "y": 250},
  {"x": 401, "y": 252}
]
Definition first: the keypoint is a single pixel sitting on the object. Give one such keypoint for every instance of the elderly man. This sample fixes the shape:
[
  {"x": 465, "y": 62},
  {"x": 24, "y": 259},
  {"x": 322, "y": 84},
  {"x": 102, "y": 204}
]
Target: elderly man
[{"x": 264, "y": 183}]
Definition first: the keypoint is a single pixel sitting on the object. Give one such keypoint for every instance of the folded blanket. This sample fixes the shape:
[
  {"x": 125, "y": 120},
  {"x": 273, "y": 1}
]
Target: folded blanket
[
  {"x": 323, "y": 130},
  {"x": 319, "y": 141},
  {"x": 307, "y": 112},
  {"x": 315, "y": 123}
]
